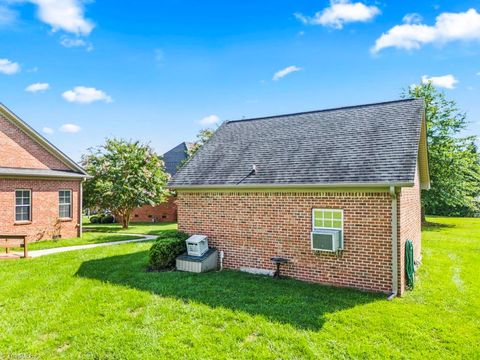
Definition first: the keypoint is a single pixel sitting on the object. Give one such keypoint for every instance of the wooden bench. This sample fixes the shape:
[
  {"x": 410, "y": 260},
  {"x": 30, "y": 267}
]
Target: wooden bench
[{"x": 14, "y": 241}]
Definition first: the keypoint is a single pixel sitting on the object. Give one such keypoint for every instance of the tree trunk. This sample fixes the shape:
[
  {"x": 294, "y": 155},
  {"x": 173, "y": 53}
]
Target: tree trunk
[
  {"x": 424, "y": 219},
  {"x": 126, "y": 219}
]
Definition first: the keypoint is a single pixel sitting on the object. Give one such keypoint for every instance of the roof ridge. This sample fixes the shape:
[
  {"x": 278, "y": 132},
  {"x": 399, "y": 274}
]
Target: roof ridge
[{"x": 322, "y": 110}]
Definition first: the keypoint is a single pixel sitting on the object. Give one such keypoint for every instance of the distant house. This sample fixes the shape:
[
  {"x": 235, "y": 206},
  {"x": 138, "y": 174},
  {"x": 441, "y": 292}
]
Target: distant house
[
  {"x": 166, "y": 211},
  {"x": 336, "y": 192},
  {"x": 40, "y": 187}
]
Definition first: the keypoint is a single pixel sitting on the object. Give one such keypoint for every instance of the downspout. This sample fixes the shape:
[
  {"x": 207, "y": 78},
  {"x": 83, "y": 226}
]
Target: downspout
[
  {"x": 394, "y": 293},
  {"x": 80, "y": 215}
]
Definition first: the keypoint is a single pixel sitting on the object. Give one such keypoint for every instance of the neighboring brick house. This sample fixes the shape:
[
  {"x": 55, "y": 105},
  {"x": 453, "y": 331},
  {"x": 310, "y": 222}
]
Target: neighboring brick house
[
  {"x": 284, "y": 185},
  {"x": 166, "y": 211},
  {"x": 40, "y": 187}
]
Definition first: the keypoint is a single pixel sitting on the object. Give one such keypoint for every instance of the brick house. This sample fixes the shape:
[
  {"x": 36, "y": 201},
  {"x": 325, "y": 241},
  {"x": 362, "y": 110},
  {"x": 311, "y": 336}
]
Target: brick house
[
  {"x": 40, "y": 187},
  {"x": 166, "y": 211},
  {"x": 284, "y": 185}
]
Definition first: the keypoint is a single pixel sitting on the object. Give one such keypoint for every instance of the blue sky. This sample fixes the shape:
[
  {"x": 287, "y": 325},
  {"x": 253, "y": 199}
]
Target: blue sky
[{"x": 156, "y": 70}]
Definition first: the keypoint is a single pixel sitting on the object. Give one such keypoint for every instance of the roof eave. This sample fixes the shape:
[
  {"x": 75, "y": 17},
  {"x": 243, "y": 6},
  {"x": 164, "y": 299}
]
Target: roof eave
[
  {"x": 45, "y": 177},
  {"x": 303, "y": 185}
]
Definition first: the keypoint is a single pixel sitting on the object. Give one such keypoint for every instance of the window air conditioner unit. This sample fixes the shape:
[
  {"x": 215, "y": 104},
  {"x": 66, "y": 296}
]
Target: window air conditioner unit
[
  {"x": 326, "y": 240},
  {"x": 197, "y": 245}
]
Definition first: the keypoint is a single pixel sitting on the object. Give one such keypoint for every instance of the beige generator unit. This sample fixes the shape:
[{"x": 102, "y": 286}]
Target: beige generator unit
[
  {"x": 197, "y": 245},
  {"x": 198, "y": 264}
]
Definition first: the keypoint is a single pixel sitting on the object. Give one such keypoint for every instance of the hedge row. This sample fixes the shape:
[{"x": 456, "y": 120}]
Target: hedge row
[{"x": 102, "y": 219}]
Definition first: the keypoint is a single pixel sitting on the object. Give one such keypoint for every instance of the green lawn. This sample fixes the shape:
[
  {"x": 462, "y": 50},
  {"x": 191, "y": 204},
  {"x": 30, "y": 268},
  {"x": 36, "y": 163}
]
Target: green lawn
[
  {"x": 87, "y": 238},
  {"x": 102, "y": 304},
  {"x": 134, "y": 228}
]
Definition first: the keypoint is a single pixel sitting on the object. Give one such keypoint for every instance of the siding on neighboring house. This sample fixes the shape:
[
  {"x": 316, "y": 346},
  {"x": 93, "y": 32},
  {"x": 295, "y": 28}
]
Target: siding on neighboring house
[
  {"x": 26, "y": 164},
  {"x": 166, "y": 211},
  {"x": 18, "y": 150},
  {"x": 44, "y": 208}
]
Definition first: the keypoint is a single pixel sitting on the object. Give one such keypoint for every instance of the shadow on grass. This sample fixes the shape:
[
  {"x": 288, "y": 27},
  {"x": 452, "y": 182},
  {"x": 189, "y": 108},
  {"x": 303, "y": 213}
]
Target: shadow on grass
[
  {"x": 433, "y": 226},
  {"x": 287, "y": 301}
]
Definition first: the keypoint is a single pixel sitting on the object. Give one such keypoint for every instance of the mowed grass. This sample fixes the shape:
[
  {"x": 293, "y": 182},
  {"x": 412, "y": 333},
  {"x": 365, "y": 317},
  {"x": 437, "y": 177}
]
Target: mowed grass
[
  {"x": 102, "y": 304},
  {"x": 134, "y": 228},
  {"x": 87, "y": 238}
]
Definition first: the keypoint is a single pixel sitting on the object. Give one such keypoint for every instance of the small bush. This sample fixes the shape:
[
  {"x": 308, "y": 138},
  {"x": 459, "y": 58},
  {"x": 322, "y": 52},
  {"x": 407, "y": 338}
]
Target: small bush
[
  {"x": 164, "y": 251},
  {"x": 94, "y": 219},
  {"x": 173, "y": 234},
  {"x": 107, "y": 219}
]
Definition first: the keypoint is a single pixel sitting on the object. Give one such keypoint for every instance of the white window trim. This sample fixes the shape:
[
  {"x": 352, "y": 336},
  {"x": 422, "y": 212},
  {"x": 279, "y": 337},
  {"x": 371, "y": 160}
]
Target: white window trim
[
  {"x": 71, "y": 204},
  {"x": 29, "y": 206},
  {"x": 329, "y": 228}
]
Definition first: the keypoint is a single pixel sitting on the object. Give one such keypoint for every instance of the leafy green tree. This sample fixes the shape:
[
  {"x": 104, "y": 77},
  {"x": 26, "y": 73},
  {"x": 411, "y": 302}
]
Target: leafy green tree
[
  {"x": 126, "y": 175},
  {"x": 454, "y": 160},
  {"x": 202, "y": 137}
]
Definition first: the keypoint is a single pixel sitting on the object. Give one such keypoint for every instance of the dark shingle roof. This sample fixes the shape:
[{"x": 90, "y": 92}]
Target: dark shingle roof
[
  {"x": 175, "y": 157},
  {"x": 366, "y": 144}
]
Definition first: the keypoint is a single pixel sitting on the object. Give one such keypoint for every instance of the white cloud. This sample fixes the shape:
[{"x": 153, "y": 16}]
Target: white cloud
[
  {"x": 7, "y": 16},
  {"x": 69, "y": 42},
  {"x": 9, "y": 67},
  {"x": 284, "y": 72},
  {"x": 86, "y": 95},
  {"x": 47, "y": 130},
  {"x": 339, "y": 13},
  {"x": 412, "y": 18},
  {"x": 448, "y": 27},
  {"x": 66, "y": 15},
  {"x": 37, "y": 87},
  {"x": 446, "y": 81},
  {"x": 70, "y": 128},
  {"x": 209, "y": 120}
]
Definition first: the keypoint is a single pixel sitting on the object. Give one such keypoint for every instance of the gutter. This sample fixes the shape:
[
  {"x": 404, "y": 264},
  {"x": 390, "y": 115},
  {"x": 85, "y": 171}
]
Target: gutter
[
  {"x": 394, "y": 224},
  {"x": 270, "y": 186}
]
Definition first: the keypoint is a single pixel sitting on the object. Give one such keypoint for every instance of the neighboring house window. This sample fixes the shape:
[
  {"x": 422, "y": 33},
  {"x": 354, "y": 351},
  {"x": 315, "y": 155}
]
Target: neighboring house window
[
  {"x": 65, "y": 203},
  {"x": 327, "y": 219},
  {"x": 23, "y": 205}
]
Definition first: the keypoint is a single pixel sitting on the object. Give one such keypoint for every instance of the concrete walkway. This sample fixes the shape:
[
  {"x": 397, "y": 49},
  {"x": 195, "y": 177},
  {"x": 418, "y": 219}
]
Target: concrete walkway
[{"x": 38, "y": 253}]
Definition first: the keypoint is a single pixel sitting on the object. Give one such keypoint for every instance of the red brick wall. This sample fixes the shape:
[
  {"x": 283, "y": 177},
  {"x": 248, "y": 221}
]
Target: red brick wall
[
  {"x": 44, "y": 200},
  {"x": 163, "y": 212},
  {"x": 251, "y": 227},
  {"x": 409, "y": 225},
  {"x": 19, "y": 151}
]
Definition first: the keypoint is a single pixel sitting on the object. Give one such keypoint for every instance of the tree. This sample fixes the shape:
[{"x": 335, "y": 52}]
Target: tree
[
  {"x": 454, "y": 160},
  {"x": 202, "y": 137},
  {"x": 126, "y": 175}
]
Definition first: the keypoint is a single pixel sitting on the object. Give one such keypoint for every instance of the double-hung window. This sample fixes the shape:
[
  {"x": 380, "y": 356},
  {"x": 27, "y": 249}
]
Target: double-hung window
[
  {"x": 23, "y": 205},
  {"x": 65, "y": 204}
]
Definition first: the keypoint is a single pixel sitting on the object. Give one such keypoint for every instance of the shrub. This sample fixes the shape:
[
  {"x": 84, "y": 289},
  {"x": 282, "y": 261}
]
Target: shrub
[
  {"x": 94, "y": 219},
  {"x": 173, "y": 234},
  {"x": 107, "y": 219},
  {"x": 164, "y": 251}
]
